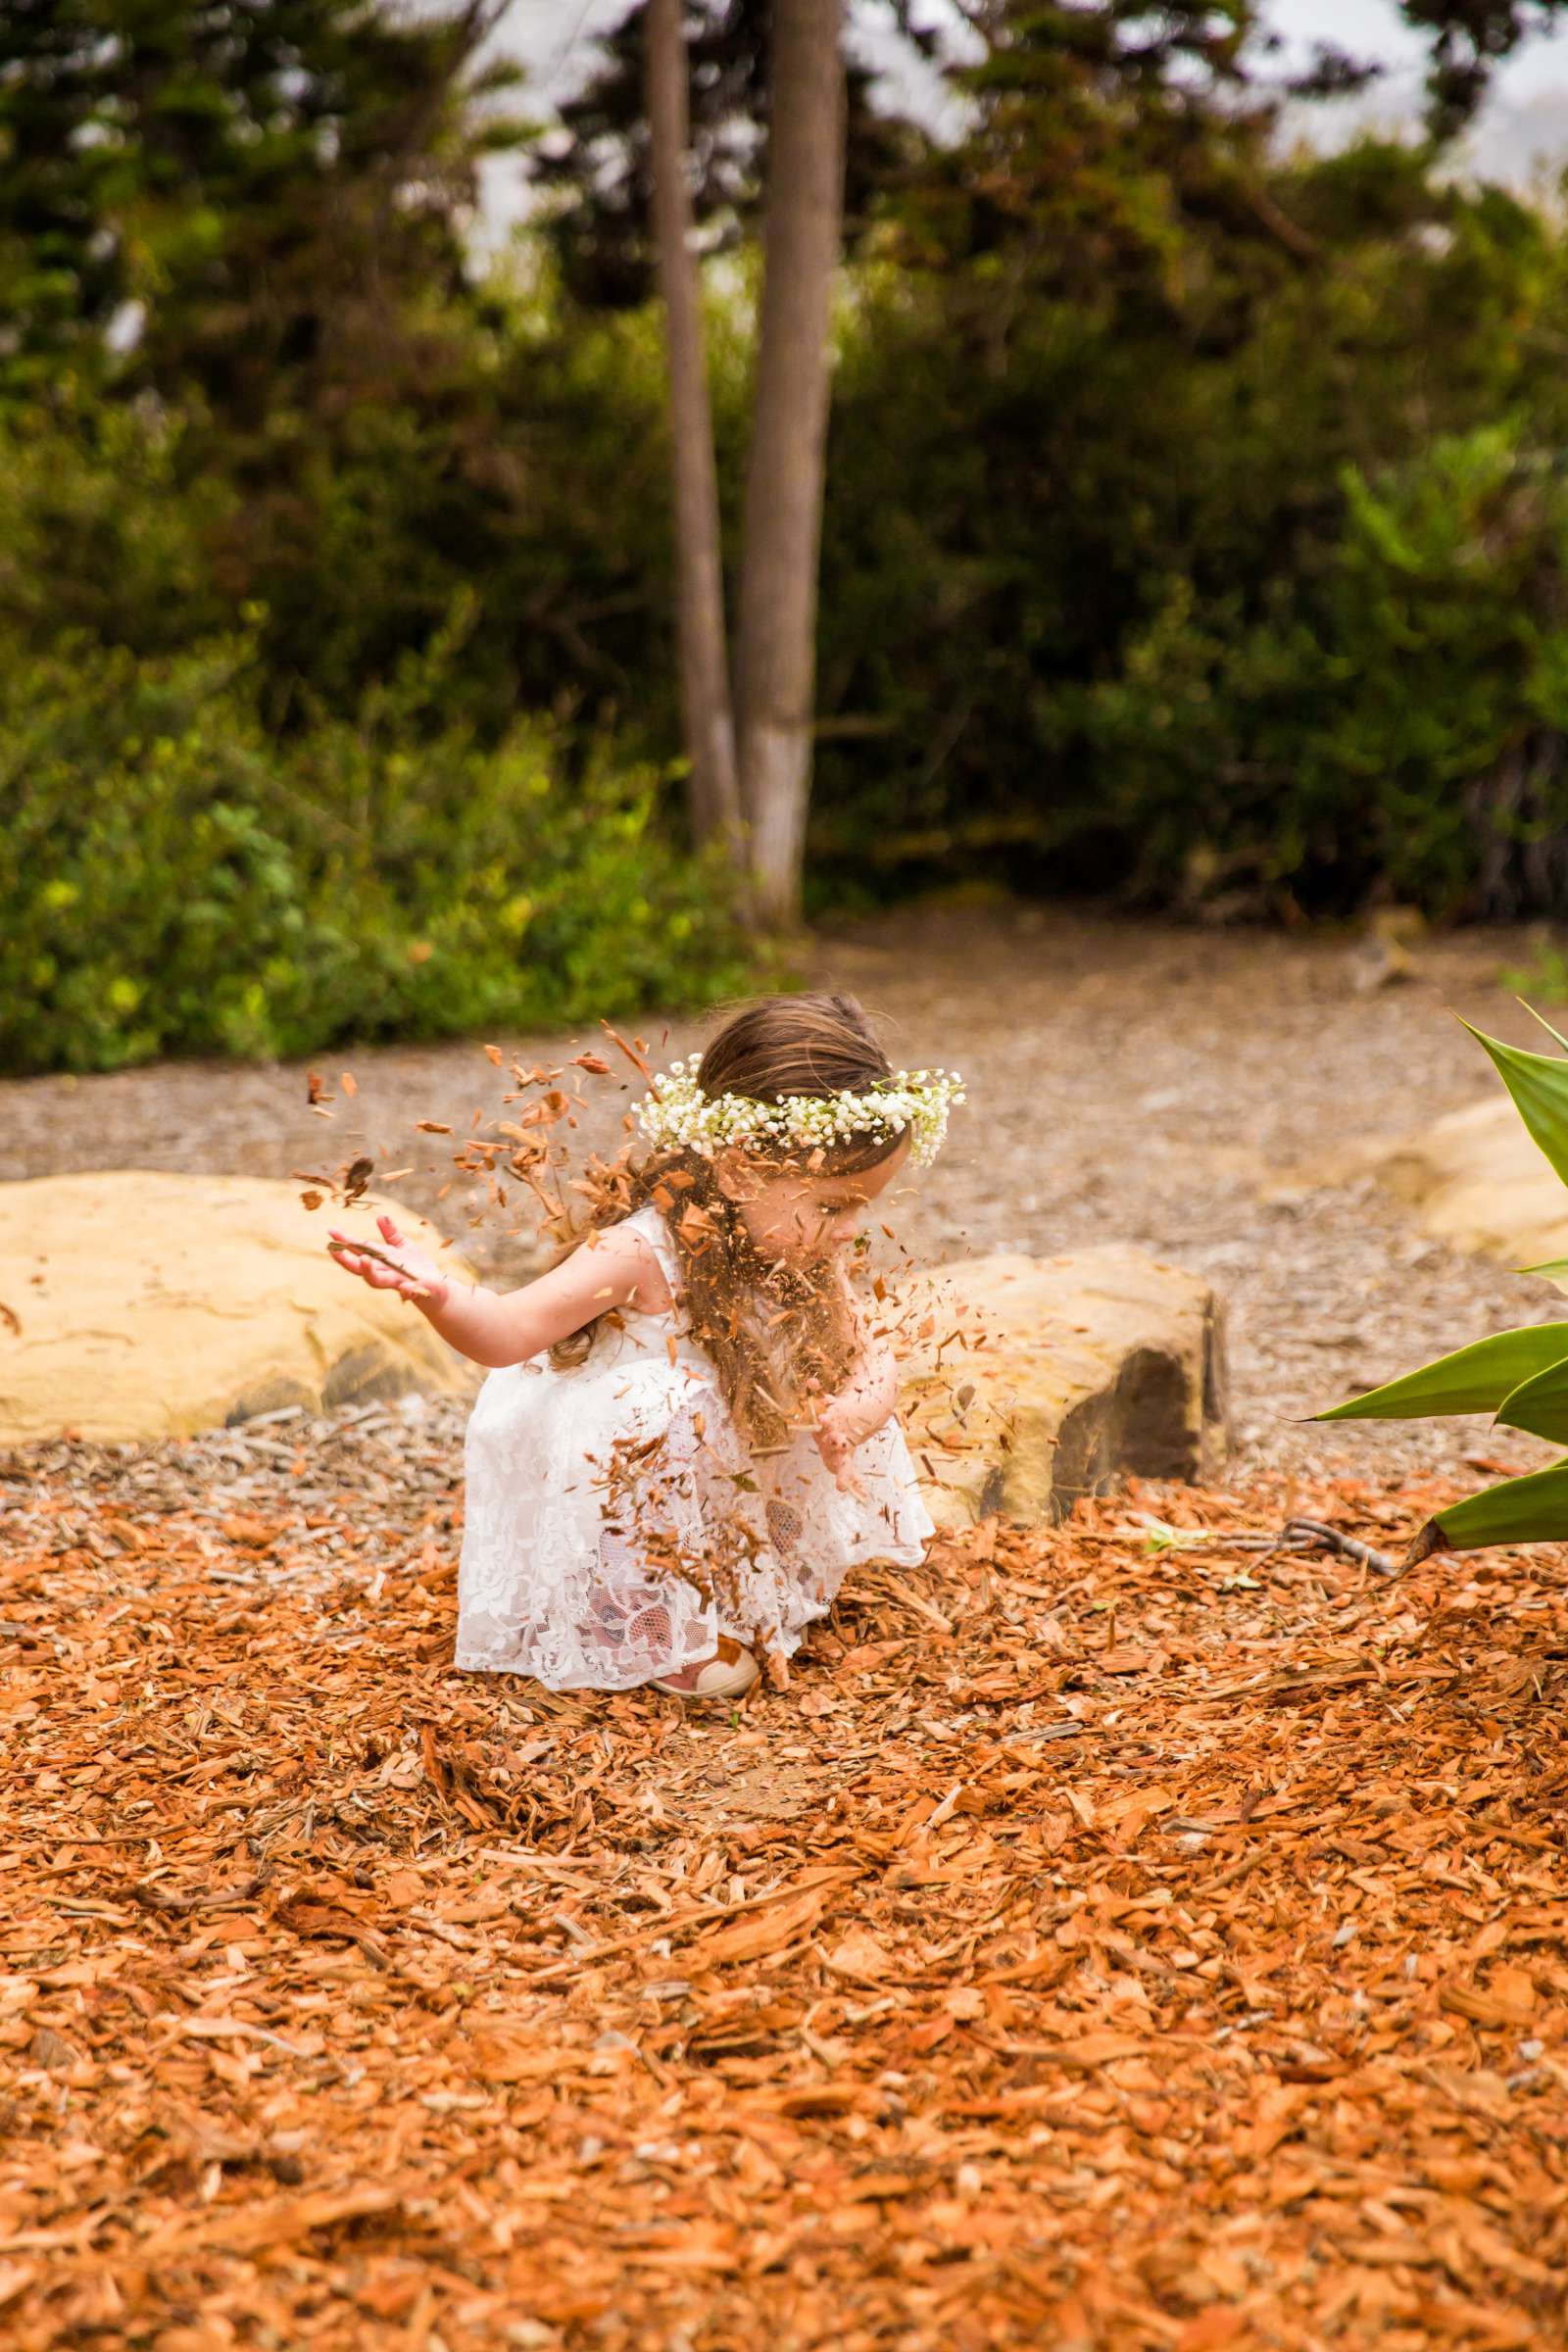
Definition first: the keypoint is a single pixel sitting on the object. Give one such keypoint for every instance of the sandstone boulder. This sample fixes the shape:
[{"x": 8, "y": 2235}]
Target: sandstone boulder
[
  {"x": 1476, "y": 1181},
  {"x": 1094, "y": 1366},
  {"x": 155, "y": 1305}
]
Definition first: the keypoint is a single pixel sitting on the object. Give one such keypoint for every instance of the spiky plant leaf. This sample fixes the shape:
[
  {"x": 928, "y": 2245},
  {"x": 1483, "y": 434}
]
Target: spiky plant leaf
[
  {"x": 1522, "y": 1376},
  {"x": 1539, "y": 1404},
  {"x": 1473, "y": 1380},
  {"x": 1521, "y": 1510},
  {"x": 1539, "y": 1085},
  {"x": 1546, "y": 1024}
]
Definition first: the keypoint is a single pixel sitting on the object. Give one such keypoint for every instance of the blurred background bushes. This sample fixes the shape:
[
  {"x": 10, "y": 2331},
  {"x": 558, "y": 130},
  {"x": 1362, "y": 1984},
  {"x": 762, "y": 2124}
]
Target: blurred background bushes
[
  {"x": 177, "y": 877},
  {"x": 1195, "y": 533}
]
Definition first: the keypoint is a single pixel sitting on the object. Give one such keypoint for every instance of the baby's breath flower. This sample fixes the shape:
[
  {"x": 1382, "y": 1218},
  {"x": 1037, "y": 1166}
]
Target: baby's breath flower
[{"x": 680, "y": 1116}]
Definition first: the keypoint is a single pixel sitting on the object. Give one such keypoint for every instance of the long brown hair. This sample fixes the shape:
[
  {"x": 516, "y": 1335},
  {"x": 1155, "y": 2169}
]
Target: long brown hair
[{"x": 777, "y": 1336}]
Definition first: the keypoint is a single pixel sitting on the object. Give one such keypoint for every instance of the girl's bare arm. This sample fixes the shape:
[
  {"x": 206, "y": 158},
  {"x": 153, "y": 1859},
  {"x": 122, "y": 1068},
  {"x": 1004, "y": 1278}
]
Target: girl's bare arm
[
  {"x": 613, "y": 1269},
  {"x": 867, "y": 1398}
]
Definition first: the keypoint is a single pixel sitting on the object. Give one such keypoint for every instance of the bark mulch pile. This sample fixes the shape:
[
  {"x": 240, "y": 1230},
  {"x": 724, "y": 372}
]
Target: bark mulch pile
[{"x": 1109, "y": 1939}]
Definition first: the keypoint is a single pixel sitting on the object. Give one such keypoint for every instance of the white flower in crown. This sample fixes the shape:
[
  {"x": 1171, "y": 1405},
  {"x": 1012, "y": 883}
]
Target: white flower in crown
[{"x": 680, "y": 1116}]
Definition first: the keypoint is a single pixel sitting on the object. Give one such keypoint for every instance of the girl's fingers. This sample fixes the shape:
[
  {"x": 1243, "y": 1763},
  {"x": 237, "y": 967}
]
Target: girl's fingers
[
  {"x": 390, "y": 1232},
  {"x": 379, "y": 1273}
]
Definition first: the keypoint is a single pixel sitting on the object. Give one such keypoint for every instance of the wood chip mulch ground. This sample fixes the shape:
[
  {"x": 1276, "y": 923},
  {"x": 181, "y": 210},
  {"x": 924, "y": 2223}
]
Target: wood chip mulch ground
[{"x": 1108, "y": 1940}]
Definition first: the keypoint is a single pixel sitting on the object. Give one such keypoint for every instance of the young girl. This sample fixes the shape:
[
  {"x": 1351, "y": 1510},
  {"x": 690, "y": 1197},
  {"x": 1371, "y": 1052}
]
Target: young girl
[{"x": 689, "y": 1434}]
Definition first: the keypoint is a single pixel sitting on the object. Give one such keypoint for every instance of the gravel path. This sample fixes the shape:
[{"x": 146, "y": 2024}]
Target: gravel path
[{"x": 1128, "y": 1081}]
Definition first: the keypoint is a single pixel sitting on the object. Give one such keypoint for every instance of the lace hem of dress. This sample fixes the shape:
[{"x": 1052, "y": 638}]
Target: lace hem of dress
[{"x": 642, "y": 1634}]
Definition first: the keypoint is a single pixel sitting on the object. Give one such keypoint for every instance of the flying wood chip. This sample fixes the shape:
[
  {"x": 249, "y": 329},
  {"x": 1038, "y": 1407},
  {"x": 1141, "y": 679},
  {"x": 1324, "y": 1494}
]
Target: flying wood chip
[{"x": 637, "y": 1059}]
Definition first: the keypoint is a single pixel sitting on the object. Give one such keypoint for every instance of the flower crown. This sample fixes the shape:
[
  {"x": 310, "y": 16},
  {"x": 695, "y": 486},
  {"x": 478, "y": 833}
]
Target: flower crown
[{"x": 678, "y": 1115}]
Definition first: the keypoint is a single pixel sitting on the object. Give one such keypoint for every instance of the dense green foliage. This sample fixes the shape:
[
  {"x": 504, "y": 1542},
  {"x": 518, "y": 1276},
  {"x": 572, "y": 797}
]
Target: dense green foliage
[
  {"x": 280, "y": 187},
  {"x": 295, "y": 523},
  {"x": 1194, "y": 527},
  {"x": 178, "y": 880},
  {"x": 1233, "y": 571},
  {"x": 1397, "y": 724}
]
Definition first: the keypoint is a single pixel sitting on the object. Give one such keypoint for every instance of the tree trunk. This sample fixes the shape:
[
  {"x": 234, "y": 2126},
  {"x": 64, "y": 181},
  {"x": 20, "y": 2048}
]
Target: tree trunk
[
  {"x": 776, "y": 658},
  {"x": 713, "y": 791}
]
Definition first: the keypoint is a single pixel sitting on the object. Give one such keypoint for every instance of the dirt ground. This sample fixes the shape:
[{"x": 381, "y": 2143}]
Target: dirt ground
[
  {"x": 1123, "y": 1936},
  {"x": 1129, "y": 1081},
  {"x": 1101, "y": 1945}
]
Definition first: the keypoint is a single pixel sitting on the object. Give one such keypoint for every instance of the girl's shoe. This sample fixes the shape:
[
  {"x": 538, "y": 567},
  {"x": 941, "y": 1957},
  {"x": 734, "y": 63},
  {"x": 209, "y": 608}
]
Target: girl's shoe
[{"x": 725, "y": 1675}]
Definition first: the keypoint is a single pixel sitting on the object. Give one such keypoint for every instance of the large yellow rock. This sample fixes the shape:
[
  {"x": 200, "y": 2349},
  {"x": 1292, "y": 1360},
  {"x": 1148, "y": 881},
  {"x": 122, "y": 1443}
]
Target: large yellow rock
[
  {"x": 1094, "y": 1366},
  {"x": 155, "y": 1305},
  {"x": 1476, "y": 1181}
]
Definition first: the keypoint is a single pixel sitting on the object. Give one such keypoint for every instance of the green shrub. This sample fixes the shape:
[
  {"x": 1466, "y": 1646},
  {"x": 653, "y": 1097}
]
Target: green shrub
[
  {"x": 175, "y": 881},
  {"x": 1245, "y": 593},
  {"x": 1396, "y": 721},
  {"x": 106, "y": 528}
]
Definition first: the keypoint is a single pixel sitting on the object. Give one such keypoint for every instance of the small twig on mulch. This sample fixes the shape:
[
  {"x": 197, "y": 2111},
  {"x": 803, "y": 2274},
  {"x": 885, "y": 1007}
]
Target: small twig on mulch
[
  {"x": 1296, "y": 1535},
  {"x": 1293, "y": 1537},
  {"x": 1314, "y": 1535}
]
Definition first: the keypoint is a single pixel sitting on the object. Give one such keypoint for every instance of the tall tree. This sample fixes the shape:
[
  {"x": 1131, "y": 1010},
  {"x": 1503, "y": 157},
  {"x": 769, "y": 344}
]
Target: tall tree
[
  {"x": 707, "y": 711},
  {"x": 267, "y": 186},
  {"x": 1139, "y": 141},
  {"x": 595, "y": 167},
  {"x": 750, "y": 756},
  {"x": 1470, "y": 39},
  {"x": 776, "y": 655}
]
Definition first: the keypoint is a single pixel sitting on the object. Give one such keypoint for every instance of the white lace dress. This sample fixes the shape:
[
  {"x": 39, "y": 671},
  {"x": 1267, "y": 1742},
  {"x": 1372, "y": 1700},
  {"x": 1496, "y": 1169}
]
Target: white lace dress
[{"x": 615, "y": 1524}]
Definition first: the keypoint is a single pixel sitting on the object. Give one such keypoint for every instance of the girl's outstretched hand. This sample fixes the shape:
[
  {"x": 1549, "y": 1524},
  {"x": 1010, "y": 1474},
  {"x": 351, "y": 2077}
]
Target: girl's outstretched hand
[
  {"x": 838, "y": 1453},
  {"x": 398, "y": 1267}
]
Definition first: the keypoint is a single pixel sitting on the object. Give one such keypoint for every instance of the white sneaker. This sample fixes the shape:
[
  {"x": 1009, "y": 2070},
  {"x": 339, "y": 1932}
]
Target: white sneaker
[{"x": 730, "y": 1671}]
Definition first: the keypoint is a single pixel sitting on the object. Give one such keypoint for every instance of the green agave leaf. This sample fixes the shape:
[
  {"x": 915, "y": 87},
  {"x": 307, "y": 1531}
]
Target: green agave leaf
[
  {"x": 1539, "y": 1085},
  {"x": 1544, "y": 1023},
  {"x": 1473, "y": 1380},
  {"x": 1539, "y": 1404},
  {"x": 1555, "y": 1269},
  {"x": 1522, "y": 1510}
]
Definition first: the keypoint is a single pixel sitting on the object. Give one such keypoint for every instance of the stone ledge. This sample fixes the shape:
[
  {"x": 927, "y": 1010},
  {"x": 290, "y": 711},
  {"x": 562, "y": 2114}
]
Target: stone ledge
[
  {"x": 1475, "y": 1180},
  {"x": 155, "y": 1305},
  {"x": 1101, "y": 1364}
]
